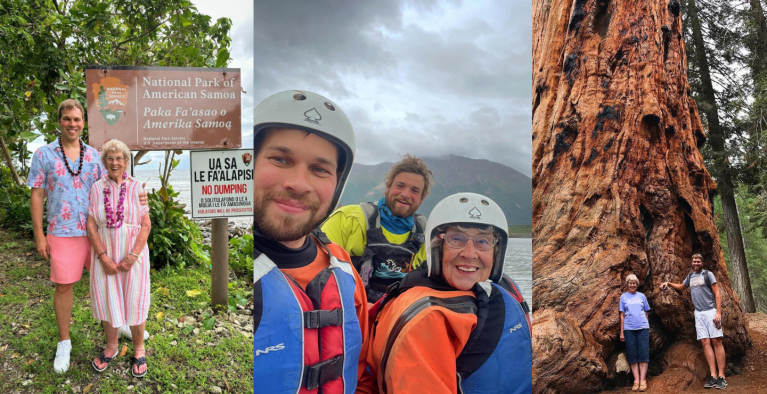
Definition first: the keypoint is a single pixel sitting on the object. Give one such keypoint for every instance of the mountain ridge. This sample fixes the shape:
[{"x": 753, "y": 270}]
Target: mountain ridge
[{"x": 508, "y": 187}]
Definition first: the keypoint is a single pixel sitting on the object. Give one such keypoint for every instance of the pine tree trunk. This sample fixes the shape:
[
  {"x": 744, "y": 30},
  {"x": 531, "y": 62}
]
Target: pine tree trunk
[
  {"x": 9, "y": 162},
  {"x": 740, "y": 279},
  {"x": 619, "y": 187},
  {"x": 740, "y": 276},
  {"x": 760, "y": 24}
]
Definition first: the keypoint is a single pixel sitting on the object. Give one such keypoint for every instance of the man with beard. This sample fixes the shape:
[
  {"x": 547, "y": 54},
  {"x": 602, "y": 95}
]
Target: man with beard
[
  {"x": 385, "y": 238},
  {"x": 708, "y": 317},
  {"x": 310, "y": 311}
]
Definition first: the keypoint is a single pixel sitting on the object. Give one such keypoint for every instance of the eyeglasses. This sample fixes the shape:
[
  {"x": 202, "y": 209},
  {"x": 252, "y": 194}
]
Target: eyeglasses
[
  {"x": 119, "y": 159},
  {"x": 482, "y": 242}
]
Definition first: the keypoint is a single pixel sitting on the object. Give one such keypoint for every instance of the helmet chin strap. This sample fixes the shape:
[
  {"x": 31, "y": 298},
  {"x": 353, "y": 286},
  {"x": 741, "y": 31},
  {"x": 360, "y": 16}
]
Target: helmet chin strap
[
  {"x": 436, "y": 269},
  {"x": 497, "y": 265}
]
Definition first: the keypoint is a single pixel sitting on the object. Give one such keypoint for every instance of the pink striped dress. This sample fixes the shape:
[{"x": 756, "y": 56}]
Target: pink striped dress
[{"x": 121, "y": 299}]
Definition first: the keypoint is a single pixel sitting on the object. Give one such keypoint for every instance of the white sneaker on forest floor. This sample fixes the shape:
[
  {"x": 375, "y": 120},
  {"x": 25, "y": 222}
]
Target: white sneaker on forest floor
[
  {"x": 61, "y": 362},
  {"x": 126, "y": 332}
]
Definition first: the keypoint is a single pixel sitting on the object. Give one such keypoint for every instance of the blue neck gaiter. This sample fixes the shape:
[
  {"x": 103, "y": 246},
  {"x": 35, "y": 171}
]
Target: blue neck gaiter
[{"x": 393, "y": 224}]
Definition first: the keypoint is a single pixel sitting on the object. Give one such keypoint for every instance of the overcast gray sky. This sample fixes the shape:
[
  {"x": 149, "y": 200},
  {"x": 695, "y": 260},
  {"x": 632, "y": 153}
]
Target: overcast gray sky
[
  {"x": 241, "y": 52},
  {"x": 427, "y": 77}
]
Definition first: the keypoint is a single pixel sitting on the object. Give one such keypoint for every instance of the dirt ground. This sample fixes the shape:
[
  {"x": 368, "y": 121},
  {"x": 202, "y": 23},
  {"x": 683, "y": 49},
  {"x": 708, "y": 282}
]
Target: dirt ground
[{"x": 753, "y": 376}]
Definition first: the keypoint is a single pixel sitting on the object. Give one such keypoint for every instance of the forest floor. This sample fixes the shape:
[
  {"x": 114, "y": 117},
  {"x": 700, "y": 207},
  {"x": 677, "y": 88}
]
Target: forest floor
[
  {"x": 752, "y": 377},
  {"x": 190, "y": 350}
]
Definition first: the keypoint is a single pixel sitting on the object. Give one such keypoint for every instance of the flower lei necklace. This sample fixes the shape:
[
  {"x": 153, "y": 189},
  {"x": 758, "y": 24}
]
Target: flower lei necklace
[
  {"x": 115, "y": 221},
  {"x": 66, "y": 163}
]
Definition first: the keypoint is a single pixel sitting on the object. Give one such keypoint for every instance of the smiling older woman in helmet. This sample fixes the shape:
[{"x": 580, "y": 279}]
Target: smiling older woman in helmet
[{"x": 460, "y": 325}]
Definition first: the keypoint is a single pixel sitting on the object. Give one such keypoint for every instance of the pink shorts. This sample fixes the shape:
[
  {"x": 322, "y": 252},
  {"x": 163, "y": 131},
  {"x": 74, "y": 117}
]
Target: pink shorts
[{"x": 68, "y": 257}]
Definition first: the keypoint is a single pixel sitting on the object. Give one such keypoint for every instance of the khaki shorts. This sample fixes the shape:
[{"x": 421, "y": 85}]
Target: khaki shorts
[{"x": 704, "y": 325}]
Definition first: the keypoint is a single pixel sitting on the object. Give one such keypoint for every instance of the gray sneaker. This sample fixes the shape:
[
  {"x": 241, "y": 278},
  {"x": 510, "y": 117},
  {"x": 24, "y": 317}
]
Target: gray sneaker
[
  {"x": 61, "y": 362},
  {"x": 710, "y": 382},
  {"x": 721, "y": 383}
]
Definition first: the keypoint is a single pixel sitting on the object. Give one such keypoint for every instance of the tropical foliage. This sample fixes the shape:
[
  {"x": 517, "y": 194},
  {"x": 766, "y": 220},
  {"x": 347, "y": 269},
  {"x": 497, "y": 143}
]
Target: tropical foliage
[
  {"x": 45, "y": 44},
  {"x": 14, "y": 204},
  {"x": 241, "y": 255},
  {"x": 174, "y": 240}
]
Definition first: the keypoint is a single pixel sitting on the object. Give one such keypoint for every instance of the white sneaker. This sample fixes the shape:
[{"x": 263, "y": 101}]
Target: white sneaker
[
  {"x": 61, "y": 362},
  {"x": 126, "y": 332}
]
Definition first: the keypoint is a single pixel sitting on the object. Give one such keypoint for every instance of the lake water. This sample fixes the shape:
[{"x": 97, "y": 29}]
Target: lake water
[{"x": 519, "y": 265}]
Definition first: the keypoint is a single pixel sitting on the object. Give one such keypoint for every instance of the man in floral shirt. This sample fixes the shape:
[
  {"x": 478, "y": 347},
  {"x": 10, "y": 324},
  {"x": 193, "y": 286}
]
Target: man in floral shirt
[{"x": 63, "y": 171}]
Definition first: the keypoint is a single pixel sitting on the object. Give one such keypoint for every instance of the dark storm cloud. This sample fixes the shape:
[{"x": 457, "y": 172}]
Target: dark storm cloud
[
  {"x": 485, "y": 134},
  {"x": 315, "y": 43},
  {"x": 431, "y": 78}
]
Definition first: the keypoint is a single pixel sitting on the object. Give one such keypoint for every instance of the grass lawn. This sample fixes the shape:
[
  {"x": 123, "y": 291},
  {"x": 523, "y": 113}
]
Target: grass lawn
[
  {"x": 521, "y": 231},
  {"x": 190, "y": 350}
]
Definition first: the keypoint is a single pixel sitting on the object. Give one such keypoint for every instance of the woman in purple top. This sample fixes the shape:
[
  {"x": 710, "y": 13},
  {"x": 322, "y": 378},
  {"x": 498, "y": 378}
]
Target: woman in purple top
[{"x": 635, "y": 331}]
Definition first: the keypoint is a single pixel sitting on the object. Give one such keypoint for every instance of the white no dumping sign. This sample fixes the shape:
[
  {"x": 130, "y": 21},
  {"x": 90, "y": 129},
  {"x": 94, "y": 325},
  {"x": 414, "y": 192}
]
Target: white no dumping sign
[{"x": 222, "y": 183}]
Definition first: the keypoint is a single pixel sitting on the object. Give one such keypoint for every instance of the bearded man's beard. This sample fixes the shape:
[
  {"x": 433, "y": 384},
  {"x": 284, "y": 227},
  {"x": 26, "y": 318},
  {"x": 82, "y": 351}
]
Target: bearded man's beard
[
  {"x": 285, "y": 227},
  {"x": 401, "y": 211}
]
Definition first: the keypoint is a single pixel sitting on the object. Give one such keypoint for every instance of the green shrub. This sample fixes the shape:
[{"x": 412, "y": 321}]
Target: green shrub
[
  {"x": 241, "y": 255},
  {"x": 14, "y": 204},
  {"x": 174, "y": 239}
]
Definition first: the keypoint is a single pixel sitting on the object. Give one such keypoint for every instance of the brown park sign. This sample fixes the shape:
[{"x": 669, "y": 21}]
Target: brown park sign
[{"x": 159, "y": 108}]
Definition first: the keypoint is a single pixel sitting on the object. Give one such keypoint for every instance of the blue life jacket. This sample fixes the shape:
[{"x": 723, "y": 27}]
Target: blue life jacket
[
  {"x": 291, "y": 325},
  {"x": 498, "y": 356},
  {"x": 509, "y": 367}
]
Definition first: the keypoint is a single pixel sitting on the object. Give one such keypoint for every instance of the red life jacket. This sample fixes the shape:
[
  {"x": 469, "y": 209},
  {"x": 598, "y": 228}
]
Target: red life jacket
[{"x": 305, "y": 339}]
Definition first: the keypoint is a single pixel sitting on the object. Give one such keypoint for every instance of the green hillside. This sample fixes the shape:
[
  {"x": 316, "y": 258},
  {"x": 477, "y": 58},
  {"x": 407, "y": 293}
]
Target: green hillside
[{"x": 452, "y": 174}]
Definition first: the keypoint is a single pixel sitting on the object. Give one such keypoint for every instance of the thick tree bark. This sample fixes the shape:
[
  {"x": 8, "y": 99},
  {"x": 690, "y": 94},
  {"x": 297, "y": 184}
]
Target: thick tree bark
[
  {"x": 619, "y": 187},
  {"x": 722, "y": 170},
  {"x": 9, "y": 162}
]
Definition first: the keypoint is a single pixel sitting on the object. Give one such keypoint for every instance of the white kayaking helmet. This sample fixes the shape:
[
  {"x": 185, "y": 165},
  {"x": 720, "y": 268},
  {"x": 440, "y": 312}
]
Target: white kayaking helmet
[
  {"x": 467, "y": 209},
  {"x": 310, "y": 112}
]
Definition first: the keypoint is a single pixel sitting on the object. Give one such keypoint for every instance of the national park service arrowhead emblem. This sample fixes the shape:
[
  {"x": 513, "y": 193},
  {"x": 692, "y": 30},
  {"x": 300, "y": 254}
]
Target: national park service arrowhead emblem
[
  {"x": 475, "y": 213},
  {"x": 111, "y": 98},
  {"x": 247, "y": 158}
]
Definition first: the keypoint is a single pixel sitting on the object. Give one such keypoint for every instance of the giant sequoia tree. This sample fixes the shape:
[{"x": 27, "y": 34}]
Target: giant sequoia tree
[{"x": 619, "y": 187}]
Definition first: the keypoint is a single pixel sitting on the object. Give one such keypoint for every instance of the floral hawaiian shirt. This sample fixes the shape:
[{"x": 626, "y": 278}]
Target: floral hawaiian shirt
[{"x": 67, "y": 195}]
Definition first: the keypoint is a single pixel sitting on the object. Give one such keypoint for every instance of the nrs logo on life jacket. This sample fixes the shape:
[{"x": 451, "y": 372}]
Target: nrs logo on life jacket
[
  {"x": 315, "y": 327},
  {"x": 270, "y": 349}
]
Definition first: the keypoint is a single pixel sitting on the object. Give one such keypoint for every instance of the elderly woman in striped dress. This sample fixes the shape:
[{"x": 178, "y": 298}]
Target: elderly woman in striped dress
[{"x": 118, "y": 228}]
